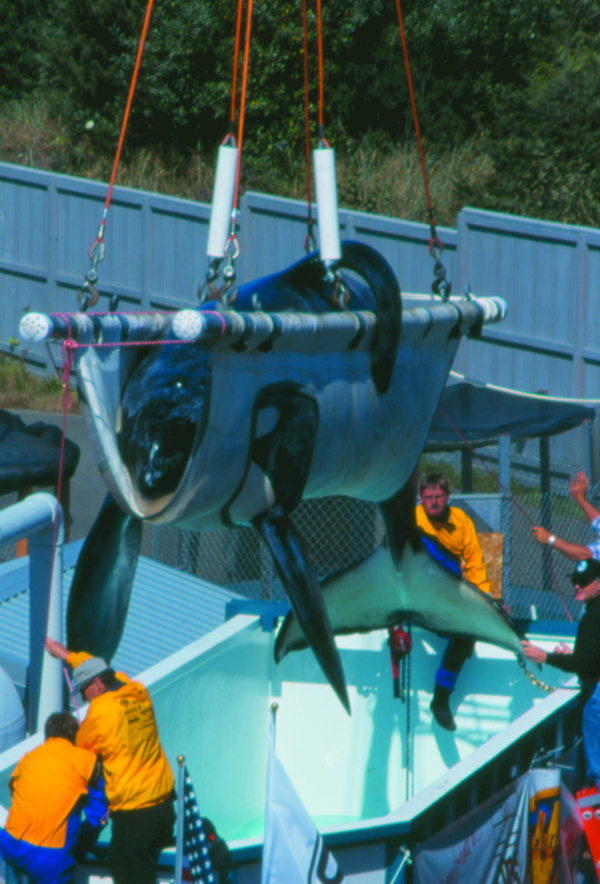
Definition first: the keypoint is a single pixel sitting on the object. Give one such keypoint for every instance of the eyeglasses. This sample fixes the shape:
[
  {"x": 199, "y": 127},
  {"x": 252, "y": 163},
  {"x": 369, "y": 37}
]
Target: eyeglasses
[{"x": 431, "y": 497}]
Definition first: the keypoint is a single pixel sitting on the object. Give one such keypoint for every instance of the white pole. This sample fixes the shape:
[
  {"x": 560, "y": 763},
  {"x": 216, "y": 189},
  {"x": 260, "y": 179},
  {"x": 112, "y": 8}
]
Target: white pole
[
  {"x": 39, "y": 518},
  {"x": 326, "y": 187},
  {"x": 222, "y": 202},
  {"x": 45, "y": 616}
]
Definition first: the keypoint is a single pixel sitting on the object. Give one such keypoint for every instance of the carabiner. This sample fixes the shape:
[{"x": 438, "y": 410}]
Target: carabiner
[
  {"x": 96, "y": 255},
  {"x": 232, "y": 250},
  {"x": 310, "y": 243},
  {"x": 232, "y": 242},
  {"x": 440, "y": 285},
  {"x": 436, "y": 247}
]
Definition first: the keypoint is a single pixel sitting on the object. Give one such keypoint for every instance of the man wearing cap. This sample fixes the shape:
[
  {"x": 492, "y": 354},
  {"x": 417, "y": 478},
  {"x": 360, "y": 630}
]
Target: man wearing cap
[
  {"x": 584, "y": 659},
  {"x": 120, "y": 727},
  {"x": 49, "y": 786}
]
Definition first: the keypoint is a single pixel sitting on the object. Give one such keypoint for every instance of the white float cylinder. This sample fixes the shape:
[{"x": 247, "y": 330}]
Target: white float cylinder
[
  {"x": 222, "y": 202},
  {"x": 326, "y": 186}
]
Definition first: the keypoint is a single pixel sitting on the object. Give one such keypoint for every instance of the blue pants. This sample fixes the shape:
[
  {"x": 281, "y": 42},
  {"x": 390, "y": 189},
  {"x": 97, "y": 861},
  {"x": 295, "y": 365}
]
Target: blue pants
[
  {"x": 458, "y": 651},
  {"x": 591, "y": 735},
  {"x": 42, "y": 865}
]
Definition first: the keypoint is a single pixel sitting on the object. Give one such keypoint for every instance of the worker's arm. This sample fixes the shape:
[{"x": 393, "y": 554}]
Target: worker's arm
[
  {"x": 579, "y": 490},
  {"x": 73, "y": 658},
  {"x": 55, "y": 649},
  {"x": 532, "y": 652},
  {"x": 574, "y": 551}
]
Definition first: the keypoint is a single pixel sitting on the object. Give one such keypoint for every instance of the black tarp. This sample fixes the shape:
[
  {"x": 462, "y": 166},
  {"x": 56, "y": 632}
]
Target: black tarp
[
  {"x": 478, "y": 415},
  {"x": 30, "y": 455}
]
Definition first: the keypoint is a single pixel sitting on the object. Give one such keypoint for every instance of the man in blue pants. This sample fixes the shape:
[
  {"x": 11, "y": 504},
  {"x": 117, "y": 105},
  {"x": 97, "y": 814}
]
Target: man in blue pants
[
  {"x": 50, "y": 786},
  {"x": 584, "y": 659}
]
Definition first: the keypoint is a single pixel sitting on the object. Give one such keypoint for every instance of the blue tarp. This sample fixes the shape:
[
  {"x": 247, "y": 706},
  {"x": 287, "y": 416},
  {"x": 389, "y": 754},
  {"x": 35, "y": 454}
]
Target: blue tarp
[{"x": 478, "y": 415}]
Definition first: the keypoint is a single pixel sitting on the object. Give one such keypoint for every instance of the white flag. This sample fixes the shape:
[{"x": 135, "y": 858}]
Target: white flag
[
  {"x": 486, "y": 846},
  {"x": 293, "y": 852}
]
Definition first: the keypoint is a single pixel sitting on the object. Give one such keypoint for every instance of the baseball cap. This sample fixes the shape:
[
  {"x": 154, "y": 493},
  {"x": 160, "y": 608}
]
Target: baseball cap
[
  {"x": 585, "y": 573},
  {"x": 86, "y": 672}
]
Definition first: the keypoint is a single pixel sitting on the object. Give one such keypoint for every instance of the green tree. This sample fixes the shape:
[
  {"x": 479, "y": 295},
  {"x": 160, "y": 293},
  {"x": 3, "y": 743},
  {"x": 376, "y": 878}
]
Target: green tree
[
  {"x": 19, "y": 34},
  {"x": 544, "y": 138}
]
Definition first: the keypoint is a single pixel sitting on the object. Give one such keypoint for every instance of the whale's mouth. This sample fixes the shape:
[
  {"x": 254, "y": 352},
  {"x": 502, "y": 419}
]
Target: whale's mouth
[{"x": 163, "y": 417}]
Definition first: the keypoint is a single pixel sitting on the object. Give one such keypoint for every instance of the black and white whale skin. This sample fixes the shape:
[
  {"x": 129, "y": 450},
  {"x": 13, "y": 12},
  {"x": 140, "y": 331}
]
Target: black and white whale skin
[{"x": 284, "y": 398}]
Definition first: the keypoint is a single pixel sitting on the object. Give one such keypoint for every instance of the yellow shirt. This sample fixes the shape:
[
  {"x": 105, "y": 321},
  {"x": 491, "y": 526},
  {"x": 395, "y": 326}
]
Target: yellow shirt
[
  {"x": 121, "y": 728},
  {"x": 47, "y": 784},
  {"x": 459, "y": 536}
]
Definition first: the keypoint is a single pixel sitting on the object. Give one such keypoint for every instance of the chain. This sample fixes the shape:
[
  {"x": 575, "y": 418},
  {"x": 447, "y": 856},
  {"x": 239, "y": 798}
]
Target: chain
[
  {"x": 407, "y": 672},
  {"x": 534, "y": 679}
]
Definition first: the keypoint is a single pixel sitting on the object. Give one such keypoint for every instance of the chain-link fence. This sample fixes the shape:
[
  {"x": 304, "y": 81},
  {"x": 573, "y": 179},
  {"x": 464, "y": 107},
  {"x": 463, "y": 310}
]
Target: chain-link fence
[
  {"x": 538, "y": 493},
  {"x": 8, "y": 551},
  {"x": 339, "y": 531},
  {"x": 541, "y": 471}
]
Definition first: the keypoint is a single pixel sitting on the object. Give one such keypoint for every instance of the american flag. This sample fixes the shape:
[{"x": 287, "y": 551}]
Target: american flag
[{"x": 198, "y": 868}]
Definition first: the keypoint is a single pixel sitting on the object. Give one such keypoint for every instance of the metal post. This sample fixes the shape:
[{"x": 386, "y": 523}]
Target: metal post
[
  {"x": 587, "y": 451},
  {"x": 45, "y": 615},
  {"x": 180, "y": 821},
  {"x": 546, "y": 506},
  {"x": 40, "y": 518},
  {"x": 466, "y": 470},
  {"x": 504, "y": 464}
]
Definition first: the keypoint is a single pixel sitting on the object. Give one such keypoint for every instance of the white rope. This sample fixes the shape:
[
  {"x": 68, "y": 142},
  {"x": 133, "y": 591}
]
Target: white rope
[{"x": 540, "y": 396}]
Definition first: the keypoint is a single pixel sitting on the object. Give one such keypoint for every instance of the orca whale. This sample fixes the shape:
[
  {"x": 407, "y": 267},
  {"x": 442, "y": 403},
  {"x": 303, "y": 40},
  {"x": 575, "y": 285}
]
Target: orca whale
[{"x": 314, "y": 385}]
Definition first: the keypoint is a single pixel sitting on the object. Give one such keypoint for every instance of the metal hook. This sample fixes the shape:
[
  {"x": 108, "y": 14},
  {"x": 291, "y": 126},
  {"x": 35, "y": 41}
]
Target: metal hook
[
  {"x": 441, "y": 286},
  {"x": 207, "y": 290},
  {"x": 87, "y": 296},
  {"x": 232, "y": 251}
]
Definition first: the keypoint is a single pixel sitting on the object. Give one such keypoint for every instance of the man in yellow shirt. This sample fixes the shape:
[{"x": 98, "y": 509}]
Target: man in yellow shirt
[
  {"x": 455, "y": 531},
  {"x": 49, "y": 787},
  {"x": 121, "y": 728}
]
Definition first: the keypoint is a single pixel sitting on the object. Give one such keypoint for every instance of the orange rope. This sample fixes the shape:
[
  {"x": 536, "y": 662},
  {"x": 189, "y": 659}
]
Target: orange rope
[
  {"x": 238, "y": 32},
  {"x": 321, "y": 100},
  {"x": 100, "y": 237},
  {"x": 309, "y": 236},
  {"x": 242, "y": 111},
  {"x": 416, "y": 119}
]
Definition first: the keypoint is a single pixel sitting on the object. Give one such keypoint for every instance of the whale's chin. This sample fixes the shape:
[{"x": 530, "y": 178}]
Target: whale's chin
[
  {"x": 163, "y": 411},
  {"x": 157, "y": 464}
]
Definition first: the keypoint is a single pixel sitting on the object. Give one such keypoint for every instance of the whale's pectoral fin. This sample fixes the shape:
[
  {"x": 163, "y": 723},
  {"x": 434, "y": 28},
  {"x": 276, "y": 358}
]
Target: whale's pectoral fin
[
  {"x": 285, "y": 454},
  {"x": 101, "y": 587},
  {"x": 304, "y": 592}
]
